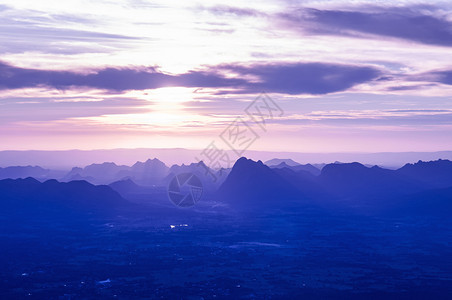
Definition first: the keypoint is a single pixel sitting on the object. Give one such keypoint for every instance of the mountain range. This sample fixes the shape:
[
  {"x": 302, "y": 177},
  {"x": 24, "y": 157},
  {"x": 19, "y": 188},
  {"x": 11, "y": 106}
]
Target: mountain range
[
  {"x": 419, "y": 187},
  {"x": 66, "y": 159},
  {"x": 30, "y": 198}
]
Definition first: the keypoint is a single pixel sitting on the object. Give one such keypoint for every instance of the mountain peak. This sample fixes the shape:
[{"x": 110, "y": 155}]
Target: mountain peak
[
  {"x": 252, "y": 182},
  {"x": 246, "y": 161},
  {"x": 23, "y": 172},
  {"x": 56, "y": 197},
  {"x": 437, "y": 173},
  {"x": 149, "y": 160},
  {"x": 342, "y": 167},
  {"x": 278, "y": 161},
  {"x": 149, "y": 163}
]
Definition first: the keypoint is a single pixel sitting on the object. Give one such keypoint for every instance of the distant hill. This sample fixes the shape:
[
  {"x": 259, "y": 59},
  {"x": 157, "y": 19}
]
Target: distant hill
[
  {"x": 23, "y": 172},
  {"x": 150, "y": 172},
  {"x": 306, "y": 183},
  {"x": 249, "y": 184},
  {"x": 211, "y": 179},
  {"x": 53, "y": 198},
  {"x": 356, "y": 181},
  {"x": 66, "y": 159},
  {"x": 125, "y": 186},
  {"x": 277, "y": 161},
  {"x": 347, "y": 185},
  {"x": 436, "y": 174},
  {"x": 255, "y": 185},
  {"x": 308, "y": 168},
  {"x": 95, "y": 173}
]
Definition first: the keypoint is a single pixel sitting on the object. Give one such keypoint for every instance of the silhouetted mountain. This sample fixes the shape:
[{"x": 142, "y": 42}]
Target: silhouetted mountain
[
  {"x": 308, "y": 168},
  {"x": 436, "y": 174},
  {"x": 247, "y": 183},
  {"x": 150, "y": 172},
  {"x": 155, "y": 166},
  {"x": 23, "y": 172},
  {"x": 103, "y": 171},
  {"x": 222, "y": 174},
  {"x": 303, "y": 180},
  {"x": 254, "y": 184},
  {"x": 29, "y": 196},
  {"x": 211, "y": 179},
  {"x": 278, "y": 161},
  {"x": 197, "y": 168},
  {"x": 96, "y": 173},
  {"x": 340, "y": 185},
  {"x": 125, "y": 186},
  {"x": 78, "y": 177},
  {"x": 319, "y": 166},
  {"x": 75, "y": 171},
  {"x": 354, "y": 181}
]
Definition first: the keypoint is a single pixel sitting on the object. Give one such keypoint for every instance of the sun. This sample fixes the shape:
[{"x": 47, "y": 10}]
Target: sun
[
  {"x": 166, "y": 109},
  {"x": 171, "y": 95}
]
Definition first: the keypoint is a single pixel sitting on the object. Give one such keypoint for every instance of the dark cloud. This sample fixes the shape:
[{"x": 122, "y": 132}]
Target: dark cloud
[
  {"x": 287, "y": 78},
  {"x": 412, "y": 24},
  {"x": 114, "y": 79},
  {"x": 438, "y": 76},
  {"x": 304, "y": 78},
  {"x": 443, "y": 76}
]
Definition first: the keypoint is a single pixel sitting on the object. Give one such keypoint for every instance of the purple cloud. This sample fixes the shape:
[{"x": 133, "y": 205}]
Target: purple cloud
[
  {"x": 25, "y": 109},
  {"x": 438, "y": 76},
  {"x": 407, "y": 23},
  {"x": 32, "y": 30},
  {"x": 304, "y": 78},
  {"x": 287, "y": 78},
  {"x": 410, "y": 87},
  {"x": 114, "y": 79},
  {"x": 443, "y": 77}
]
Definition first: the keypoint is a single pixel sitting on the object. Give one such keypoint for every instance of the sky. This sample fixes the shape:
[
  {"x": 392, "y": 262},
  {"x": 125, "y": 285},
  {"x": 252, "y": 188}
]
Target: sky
[{"x": 338, "y": 76}]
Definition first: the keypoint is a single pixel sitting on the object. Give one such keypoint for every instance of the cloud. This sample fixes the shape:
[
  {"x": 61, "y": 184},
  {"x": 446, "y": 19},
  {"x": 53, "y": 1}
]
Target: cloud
[
  {"x": 26, "y": 31},
  {"x": 416, "y": 87},
  {"x": 408, "y": 23},
  {"x": 4, "y": 7},
  {"x": 420, "y": 117},
  {"x": 444, "y": 77},
  {"x": 236, "y": 11},
  {"x": 304, "y": 78},
  {"x": 59, "y": 41},
  {"x": 436, "y": 76},
  {"x": 113, "y": 79},
  {"x": 50, "y": 109},
  {"x": 286, "y": 78}
]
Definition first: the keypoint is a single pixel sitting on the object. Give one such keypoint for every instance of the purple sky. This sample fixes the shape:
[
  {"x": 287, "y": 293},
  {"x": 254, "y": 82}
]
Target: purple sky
[{"x": 348, "y": 75}]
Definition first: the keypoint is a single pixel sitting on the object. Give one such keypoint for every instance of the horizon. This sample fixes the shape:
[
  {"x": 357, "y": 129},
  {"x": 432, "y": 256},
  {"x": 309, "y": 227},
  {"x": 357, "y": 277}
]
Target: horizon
[{"x": 66, "y": 159}]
